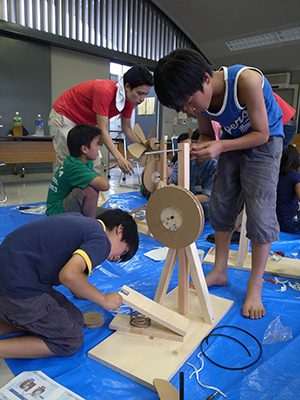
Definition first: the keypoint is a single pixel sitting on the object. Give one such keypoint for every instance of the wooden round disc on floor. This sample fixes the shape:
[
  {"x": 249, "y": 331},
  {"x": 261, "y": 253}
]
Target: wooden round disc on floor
[
  {"x": 152, "y": 176},
  {"x": 93, "y": 320},
  {"x": 174, "y": 216}
]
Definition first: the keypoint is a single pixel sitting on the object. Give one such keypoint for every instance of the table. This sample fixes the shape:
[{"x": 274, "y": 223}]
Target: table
[{"x": 26, "y": 149}]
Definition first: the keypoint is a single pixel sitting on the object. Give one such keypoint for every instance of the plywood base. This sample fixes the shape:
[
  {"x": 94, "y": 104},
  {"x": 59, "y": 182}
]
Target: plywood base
[
  {"x": 143, "y": 359},
  {"x": 287, "y": 267}
]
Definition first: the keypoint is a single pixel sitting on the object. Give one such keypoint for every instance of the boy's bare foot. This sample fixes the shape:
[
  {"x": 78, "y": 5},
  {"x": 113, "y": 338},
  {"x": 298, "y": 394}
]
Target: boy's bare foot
[
  {"x": 216, "y": 278},
  {"x": 191, "y": 285},
  {"x": 253, "y": 307}
]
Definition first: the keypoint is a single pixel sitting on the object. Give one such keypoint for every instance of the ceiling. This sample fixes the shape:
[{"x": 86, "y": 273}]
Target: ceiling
[{"x": 210, "y": 23}]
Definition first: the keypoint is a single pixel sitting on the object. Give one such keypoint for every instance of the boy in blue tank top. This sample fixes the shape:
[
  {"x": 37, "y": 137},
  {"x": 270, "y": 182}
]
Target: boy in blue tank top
[{"x": 242, "y": 101}]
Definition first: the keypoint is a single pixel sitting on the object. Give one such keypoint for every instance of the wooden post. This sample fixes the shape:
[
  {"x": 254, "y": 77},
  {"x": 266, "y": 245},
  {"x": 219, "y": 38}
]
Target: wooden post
[
  {"x": 183, "y": 266},
  {"x": 163, "y": 163},
  {"x": 243, "y": 243}
]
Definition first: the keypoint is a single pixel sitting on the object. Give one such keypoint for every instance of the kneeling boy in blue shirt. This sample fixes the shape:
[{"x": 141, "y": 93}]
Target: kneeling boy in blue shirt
[{"x": 58, "y": 250}]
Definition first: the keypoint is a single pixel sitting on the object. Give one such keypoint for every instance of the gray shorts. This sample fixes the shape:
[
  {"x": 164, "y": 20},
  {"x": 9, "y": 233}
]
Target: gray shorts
[
  {"x": 247, "y": 176},
  {"x": 73, "y": 202},
  {"x": 50, "y": 316}
]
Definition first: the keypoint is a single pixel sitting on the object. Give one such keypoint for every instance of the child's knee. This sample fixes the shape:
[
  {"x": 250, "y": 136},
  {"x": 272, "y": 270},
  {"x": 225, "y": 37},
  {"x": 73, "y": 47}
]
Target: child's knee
[
  {"x": 90, "y": 192},
  {"x": 67, "y": 346}
]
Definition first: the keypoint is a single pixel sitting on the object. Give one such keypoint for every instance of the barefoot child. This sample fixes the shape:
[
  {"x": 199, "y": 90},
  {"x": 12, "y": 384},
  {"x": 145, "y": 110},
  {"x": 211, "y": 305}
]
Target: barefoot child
[
  {"x": 242, "y": 101},
  {"x": 58, "y": 250}
]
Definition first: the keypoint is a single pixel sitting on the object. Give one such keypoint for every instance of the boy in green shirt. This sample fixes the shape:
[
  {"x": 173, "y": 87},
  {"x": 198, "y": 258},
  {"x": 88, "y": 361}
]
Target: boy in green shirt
[{"x": 75, "y": 186}]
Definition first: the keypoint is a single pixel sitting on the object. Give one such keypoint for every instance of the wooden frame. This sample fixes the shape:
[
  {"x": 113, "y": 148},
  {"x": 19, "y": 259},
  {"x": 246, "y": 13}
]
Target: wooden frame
[
  {"x": 241, "y": 259},
  {"x": 158, "y": 352}
]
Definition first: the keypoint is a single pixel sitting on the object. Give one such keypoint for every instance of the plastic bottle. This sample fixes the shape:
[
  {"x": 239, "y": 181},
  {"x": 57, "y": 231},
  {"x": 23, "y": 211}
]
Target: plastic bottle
[
  {"x": 39, "y": 126},
  {"x": 17, "y": 125}
]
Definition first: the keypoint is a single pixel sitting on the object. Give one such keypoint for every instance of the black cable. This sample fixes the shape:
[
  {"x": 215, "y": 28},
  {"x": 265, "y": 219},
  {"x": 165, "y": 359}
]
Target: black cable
[
  {"x": 234, "y": 327},
  {"x": 229, "y": 337}
]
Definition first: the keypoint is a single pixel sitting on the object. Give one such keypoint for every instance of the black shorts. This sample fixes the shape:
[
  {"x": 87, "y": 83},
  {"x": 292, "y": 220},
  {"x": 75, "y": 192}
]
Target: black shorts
[{"x": 50, "y": 316}]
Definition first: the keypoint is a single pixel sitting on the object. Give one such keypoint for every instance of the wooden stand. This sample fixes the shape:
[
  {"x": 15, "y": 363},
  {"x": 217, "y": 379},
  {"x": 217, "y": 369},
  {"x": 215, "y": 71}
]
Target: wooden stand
[
  {"x": 241, "y": 259},
  {"x": 187, "y": 257},
  {"x": 144, "y": 357}
]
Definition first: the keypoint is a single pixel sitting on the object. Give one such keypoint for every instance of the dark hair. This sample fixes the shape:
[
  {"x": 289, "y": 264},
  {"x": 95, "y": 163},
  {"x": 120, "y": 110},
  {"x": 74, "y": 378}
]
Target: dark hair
[
  {"x": 138, "y": 75},
  {"x": 179, "y": 75},
  {"x": 182, "y": 137},
  {"x": 81, "y": 135},
  {"x": 289, "y": 160},
  {"x": 195, "y": 135},
  {"x": 116, "y": 217}
]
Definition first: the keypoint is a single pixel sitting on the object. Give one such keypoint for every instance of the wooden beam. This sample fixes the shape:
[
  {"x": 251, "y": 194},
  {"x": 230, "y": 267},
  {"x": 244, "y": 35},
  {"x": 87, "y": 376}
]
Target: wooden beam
[{"x": 155, "y": 311}]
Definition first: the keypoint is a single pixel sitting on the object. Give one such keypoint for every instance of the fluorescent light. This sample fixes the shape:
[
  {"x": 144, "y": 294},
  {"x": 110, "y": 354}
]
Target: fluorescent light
[{"x": 285, "y": 35}]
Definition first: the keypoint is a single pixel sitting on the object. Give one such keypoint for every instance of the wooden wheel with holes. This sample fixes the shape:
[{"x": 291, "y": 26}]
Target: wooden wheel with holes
[{"x": 174, "y": 216}]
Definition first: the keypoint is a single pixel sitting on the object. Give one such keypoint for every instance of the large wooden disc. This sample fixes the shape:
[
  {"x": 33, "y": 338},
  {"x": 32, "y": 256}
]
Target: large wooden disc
[
  {"x": 174, "y": 216},
  {"x": 151, "y": 176}
]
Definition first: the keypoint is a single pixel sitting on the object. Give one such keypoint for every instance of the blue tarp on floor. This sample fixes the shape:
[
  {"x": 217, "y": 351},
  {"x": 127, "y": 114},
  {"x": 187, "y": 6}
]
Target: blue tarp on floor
[{"x": 274, "y": 376}]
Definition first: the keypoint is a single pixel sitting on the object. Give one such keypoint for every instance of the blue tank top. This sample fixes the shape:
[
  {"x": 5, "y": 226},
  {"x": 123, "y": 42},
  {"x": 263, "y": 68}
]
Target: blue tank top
[{"x": 233, "y": 118}]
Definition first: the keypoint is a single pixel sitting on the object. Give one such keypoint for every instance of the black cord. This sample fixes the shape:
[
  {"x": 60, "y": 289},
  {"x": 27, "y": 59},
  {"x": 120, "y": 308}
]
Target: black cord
[
  {"x": 217, "y": 334},
  {"x": 229, "y": 337}
]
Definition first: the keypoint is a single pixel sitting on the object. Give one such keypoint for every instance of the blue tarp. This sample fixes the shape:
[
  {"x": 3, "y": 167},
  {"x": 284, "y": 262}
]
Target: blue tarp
[{"x": 274, "y": 376}]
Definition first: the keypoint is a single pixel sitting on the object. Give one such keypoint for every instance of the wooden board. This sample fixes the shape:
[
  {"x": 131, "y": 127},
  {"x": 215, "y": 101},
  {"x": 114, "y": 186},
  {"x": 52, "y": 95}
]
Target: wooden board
[
  {"x": 143, "y": 358},
  {"x": 143, "y": 227},
  {"x": 14, "y": 152},
  {"x": 287, "y": 267},
  {"x": 157, "y": 312},
  {"x": 121, "y": 322}
]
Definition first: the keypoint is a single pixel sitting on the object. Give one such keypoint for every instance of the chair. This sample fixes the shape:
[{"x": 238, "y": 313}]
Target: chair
[
  {"x": 22, "y": 174},
  {"x": 3, "y": 196}
]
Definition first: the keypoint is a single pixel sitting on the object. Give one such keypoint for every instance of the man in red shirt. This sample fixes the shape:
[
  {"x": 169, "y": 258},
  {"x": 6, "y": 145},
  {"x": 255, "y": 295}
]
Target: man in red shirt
[{"x": 95, "y": 102}]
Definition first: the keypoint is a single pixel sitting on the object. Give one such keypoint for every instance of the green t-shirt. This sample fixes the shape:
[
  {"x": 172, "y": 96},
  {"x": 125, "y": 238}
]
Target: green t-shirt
[{"x": 73, "y": 173}]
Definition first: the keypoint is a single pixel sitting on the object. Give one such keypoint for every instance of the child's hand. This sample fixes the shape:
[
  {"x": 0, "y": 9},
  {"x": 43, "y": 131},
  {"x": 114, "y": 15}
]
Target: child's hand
[
  {"x": 113, "y": 301},
  {"x": 207, "y": 150},
  {"x": 170, "y": 170}
]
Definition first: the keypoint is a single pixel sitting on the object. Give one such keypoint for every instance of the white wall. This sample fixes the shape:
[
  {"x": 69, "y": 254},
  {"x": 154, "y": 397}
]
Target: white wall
[
  {"x": 168, "y": 129},
  {"x": 68, "y": 68}
]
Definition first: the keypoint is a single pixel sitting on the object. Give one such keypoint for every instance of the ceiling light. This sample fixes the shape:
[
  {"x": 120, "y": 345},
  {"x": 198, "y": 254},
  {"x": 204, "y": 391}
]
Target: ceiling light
[{"x": 285, "y": 35}]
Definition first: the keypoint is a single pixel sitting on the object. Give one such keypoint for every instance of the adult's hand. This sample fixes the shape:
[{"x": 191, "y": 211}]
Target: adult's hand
[{"x": 125, "y": 166}]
